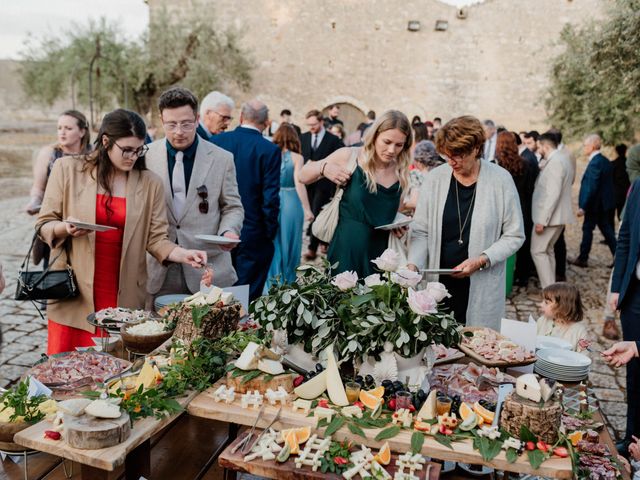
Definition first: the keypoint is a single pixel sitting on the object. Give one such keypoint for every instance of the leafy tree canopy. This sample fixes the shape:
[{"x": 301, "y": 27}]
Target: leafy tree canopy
[
  {"x": 177, "y": 48},
  {"x": 595, "y": 82}
]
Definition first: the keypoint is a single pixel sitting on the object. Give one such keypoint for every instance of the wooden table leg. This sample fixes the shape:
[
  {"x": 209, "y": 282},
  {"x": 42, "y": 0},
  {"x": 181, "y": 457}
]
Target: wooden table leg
[
  {"x": 138, "y": 462},
  {"x": 92, "y": 473}
]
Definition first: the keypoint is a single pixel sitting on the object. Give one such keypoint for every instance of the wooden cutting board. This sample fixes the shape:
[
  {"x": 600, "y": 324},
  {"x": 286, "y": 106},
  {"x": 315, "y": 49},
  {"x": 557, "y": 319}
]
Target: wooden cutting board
[
  {"x": 288, "y": 470},
  {"x": 87, "y": 432},
  {"x": 489, "y": 363}
]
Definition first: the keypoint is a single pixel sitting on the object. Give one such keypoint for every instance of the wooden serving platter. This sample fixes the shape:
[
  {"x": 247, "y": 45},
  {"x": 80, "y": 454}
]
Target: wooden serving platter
[
  {"x": 490, "y": 363},
  {"x": 204, "y": 406},
  {"x": 288, "y": 471}
]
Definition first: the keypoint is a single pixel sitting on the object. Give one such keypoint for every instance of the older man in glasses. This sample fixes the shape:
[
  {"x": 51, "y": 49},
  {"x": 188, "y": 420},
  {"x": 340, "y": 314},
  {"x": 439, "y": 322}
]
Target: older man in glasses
[
  {"x": 201, "y": 193},
  {"x": 215, "y": 114}
]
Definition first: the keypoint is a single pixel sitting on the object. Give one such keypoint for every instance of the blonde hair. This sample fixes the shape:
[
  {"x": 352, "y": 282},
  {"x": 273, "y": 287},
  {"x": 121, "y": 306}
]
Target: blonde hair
[{"x": 389, "y": 120}]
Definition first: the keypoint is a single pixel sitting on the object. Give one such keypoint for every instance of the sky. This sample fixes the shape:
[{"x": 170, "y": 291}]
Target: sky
[{"x": 23, "y": 18}]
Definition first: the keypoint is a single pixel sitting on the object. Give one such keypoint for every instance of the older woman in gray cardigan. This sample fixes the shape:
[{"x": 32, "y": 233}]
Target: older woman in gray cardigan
[{"x": 468, "y": 219}]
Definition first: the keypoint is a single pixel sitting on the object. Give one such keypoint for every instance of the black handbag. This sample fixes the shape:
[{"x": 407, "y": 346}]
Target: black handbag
[{"x": 46, "y": 284}]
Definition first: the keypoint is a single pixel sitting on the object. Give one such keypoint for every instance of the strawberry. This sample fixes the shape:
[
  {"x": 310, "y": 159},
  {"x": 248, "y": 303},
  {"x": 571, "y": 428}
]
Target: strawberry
[
  {"x": 299, "y": 380},
  {"x": 52, "y": 435},
  {"x": 323, "y": 402},
  {"x": 561, "y": 452},
  {"x": 412, "y": 408},
  {"x": 392, "y": 404},
  {"x": 542, "y": 446},
  {"x": 340, "y": 460},
  {"x": 359, "y": 404},
  {"x": 531, "y": 446}
]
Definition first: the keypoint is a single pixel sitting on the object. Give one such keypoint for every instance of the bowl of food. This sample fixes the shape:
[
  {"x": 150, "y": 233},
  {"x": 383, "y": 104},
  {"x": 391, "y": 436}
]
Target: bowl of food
[
  {"x": 145, "y": 336},
  {"x": 108, "y": 343}
]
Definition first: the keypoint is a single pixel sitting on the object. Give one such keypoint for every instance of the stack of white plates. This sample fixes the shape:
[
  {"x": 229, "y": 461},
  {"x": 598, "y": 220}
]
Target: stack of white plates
[
  {"x": 562, "y": 365},
  {"x": 552, "y": 342},
  {"x": 164, "y": 300}
]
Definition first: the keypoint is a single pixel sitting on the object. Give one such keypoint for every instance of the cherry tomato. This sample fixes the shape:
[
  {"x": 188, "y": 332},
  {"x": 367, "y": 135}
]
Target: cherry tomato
[{"x": 531, "y": 446}]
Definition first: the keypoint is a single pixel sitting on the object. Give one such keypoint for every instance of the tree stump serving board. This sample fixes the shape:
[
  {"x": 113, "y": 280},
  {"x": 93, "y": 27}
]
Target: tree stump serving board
[
  {"x": 89, "y": 433},
  {"x": 542, "y": 420},
  {"x": 261, "y": 383}
]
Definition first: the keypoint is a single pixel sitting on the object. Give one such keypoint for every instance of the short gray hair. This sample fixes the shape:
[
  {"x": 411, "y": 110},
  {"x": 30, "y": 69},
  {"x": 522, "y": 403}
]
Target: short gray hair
[
  {"x": 594, "y": 139},
  {"x": 425, "y": 153},
  {"x": 212, "y": 100},
  {"x": 489, "y": 123},
  {"x": 255, "y": 111}
]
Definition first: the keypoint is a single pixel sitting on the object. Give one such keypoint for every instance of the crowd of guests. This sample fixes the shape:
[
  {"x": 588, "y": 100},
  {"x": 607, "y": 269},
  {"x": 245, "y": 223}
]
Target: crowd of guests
[{"x": 485, "y": 202}]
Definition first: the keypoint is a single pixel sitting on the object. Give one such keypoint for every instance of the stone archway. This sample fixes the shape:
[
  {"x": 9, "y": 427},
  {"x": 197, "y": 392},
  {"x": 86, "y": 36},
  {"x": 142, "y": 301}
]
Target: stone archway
[{"x": 351, "y": 115}]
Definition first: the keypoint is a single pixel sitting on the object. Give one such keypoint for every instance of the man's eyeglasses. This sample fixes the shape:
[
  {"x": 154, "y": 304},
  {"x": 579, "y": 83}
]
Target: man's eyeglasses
[
  {"x": 225, "y": 118},
  {"x": 203, "y": 194},
  {"x": 184, "y": 126},
  {"x": 133, "y": 153}
]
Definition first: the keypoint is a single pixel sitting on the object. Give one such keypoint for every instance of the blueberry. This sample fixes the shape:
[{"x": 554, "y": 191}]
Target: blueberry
[
  {"x": 359, "y": 379},
  {"x": 422, "y": 396},
  {"x": 319, "y": 368},
  {"x": 369, "y": 380},
  {"x": 386, "y": 383}
]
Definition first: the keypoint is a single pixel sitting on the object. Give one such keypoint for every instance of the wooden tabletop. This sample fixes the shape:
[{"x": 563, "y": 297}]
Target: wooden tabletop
[
  {"x": 288, "y": 470},
  {"x": 105, "y": 458},
  {"x": 204, "y": 406}
]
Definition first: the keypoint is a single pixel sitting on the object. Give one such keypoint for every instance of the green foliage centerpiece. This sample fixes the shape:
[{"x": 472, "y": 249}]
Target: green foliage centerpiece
[{"x": 358, "y": 316}]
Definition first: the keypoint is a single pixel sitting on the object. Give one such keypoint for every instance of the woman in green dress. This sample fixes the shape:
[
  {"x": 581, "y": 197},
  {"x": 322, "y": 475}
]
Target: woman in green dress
[{"x": 372, "y": 192}]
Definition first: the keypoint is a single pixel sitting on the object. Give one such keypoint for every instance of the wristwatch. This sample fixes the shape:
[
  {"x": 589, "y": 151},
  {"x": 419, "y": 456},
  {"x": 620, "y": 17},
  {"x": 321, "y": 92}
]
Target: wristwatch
[{"x": 486, "y": 261}]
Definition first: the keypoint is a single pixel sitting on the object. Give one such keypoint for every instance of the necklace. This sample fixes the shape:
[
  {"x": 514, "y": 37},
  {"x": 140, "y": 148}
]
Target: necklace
[{"x": 461, "y": 225}]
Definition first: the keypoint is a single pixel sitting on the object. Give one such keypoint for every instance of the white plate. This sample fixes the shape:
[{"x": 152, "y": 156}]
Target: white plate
[
  {"x": 564, "y": 358},
  {"x": 91, "y": 226},
  {"x": 217, "y": 239},
  {"x": 552, "y": 342},
  {"x": 401, "y": 220}
]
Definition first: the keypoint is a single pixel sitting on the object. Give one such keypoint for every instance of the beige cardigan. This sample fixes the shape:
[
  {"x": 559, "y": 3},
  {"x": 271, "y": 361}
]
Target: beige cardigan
[{"x": 71, "y": 192}]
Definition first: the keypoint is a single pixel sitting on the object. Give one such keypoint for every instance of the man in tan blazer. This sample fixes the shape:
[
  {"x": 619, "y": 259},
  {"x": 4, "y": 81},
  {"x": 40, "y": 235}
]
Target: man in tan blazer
[
  {"x": 201, "y": 194},
  {"x": 551, "y": 207}
]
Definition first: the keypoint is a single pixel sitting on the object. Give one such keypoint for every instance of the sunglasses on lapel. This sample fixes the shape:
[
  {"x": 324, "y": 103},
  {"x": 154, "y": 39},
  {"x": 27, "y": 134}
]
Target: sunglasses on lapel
[{"x": 204, "y": 203}]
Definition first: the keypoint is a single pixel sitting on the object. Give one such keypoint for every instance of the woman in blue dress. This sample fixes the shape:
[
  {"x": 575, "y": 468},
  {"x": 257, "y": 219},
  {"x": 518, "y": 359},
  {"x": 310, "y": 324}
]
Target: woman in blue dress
[{"x": 294, "y": 209}]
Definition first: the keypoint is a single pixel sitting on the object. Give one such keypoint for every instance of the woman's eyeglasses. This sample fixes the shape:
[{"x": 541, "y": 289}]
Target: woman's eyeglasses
[
  {"x": 203, "y": 194},
  {"x": 133, "y": 153}
]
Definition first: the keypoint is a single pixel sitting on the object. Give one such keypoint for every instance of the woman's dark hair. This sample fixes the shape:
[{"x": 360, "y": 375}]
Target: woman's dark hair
[
  {"x": 287, "y": 138},
  {"x": 621, "y": 150},
  {"x": 82, "y": 123},
  {"x": 416, "y": 119},
  {"x": 507, "y": 154},
  {"x": 115, "y": 125},
  {"x": 419, "y": 133}
]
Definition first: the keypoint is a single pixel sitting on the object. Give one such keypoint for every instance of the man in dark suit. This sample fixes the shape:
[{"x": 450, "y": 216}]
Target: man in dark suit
[
  {"x": 625, "y": 296},
  {"x": 332, "y": 119},
  {"x": 258, "y": 168},
  {"x": 596, "y": 200},
  {"x": 318, "y": 144}
]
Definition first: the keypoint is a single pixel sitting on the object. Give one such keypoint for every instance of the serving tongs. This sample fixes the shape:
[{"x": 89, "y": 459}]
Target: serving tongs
[
  {"x": 133, "y": 369},
  {"x": 244, "y": 441},
  {"x": 246, "y": 450}
]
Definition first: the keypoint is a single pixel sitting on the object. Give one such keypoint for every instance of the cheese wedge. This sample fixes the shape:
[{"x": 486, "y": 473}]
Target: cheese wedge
[
  {"x": 428, "y": 410},
  {"x": 103, "y": 409},
  {"x": 248, "y": 359},
  {"x": 272, "y": 367},
  {"x": 335, "y": 388},
  {"x": 74, "y": 406},
  {"x": 312, "y": 388},
  {"x": 528, "y": 387}
]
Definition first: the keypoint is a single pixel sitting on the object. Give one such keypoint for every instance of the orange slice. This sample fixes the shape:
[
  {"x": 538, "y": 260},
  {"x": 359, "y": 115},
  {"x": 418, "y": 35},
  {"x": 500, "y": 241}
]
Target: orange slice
[
  {"x": 384, "y": 455},
  {"x": 302, "y": 434},
  {"x": 465, "y": 410},
  {"x": 377, "y": 392},
  {"x": 368, "y": 400},
  {"x": 486, "y": 415},
  {"x": 292, "y": 441},
  {"x": 575, "y": 437}
]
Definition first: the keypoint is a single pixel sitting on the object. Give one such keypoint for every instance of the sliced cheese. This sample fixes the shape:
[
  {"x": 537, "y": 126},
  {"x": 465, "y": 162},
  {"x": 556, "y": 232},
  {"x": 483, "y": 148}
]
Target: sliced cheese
[
  {"x": 248, "y": 359},
  {"x": 335, "y": 388},
  {"x": 272, "y": 367},
  {"x": 547, "y": 389},
  {"x": 428, "y": 410},
  {"x": 74, "y": 406},
  {"x": 528, "y": 387},
  {"x": 312, "y": 388},
  {"x": 146, "y": 377},
  {"x": 214, "y": 295},
  {"x": 103, "y": 409},
  {"x": 322, "y": 412}
]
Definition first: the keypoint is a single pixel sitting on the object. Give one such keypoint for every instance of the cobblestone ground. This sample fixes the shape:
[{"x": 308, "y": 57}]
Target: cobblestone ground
[{"x": 25, "y": 332}]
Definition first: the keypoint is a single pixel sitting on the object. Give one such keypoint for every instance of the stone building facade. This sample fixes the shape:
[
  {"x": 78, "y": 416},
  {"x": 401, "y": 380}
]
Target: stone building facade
[{"x": 490, "y": 59}]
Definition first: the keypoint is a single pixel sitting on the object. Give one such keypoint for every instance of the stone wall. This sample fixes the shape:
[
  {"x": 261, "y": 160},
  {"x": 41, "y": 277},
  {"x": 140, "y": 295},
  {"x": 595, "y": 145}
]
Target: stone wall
[{"x": 493, "y": 63}]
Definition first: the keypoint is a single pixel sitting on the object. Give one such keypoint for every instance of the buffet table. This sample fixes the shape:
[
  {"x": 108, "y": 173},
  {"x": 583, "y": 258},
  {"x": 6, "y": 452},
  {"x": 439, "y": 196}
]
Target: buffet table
[{"x": 204, "y": 406}]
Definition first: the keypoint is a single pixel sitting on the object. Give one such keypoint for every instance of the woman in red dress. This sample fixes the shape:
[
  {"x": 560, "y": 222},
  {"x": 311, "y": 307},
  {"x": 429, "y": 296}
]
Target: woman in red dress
[{"x": 111, "y": 187}]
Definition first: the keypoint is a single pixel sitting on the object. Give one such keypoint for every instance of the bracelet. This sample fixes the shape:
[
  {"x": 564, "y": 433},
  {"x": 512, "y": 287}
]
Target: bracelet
[{"x": 322, "y": 169}]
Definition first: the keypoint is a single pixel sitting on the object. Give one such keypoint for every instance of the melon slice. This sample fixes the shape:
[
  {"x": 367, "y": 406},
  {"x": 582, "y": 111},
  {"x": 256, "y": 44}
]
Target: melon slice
[
  {"x": 335, "y": 388},
  {"x": 312, "y": 388}
]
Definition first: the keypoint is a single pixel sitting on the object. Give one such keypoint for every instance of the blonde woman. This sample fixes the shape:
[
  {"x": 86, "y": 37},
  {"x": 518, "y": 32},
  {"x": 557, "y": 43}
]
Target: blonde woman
[{"x": 372, "y": 193}]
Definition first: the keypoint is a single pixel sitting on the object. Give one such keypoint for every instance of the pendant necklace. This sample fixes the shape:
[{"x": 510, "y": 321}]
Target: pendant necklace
[{"x": 461, "y": 225}]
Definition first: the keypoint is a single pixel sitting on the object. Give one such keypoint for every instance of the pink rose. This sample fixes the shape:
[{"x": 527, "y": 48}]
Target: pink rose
[
  {"x": 388, "y": 261},
  {"x": 406, "y": 278},
  {"x": 373, "y": 280},
  {"x": 422, "y": 302},
  {"x": 345, "y": 280},
  {"x": 438, "y": 291}
]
